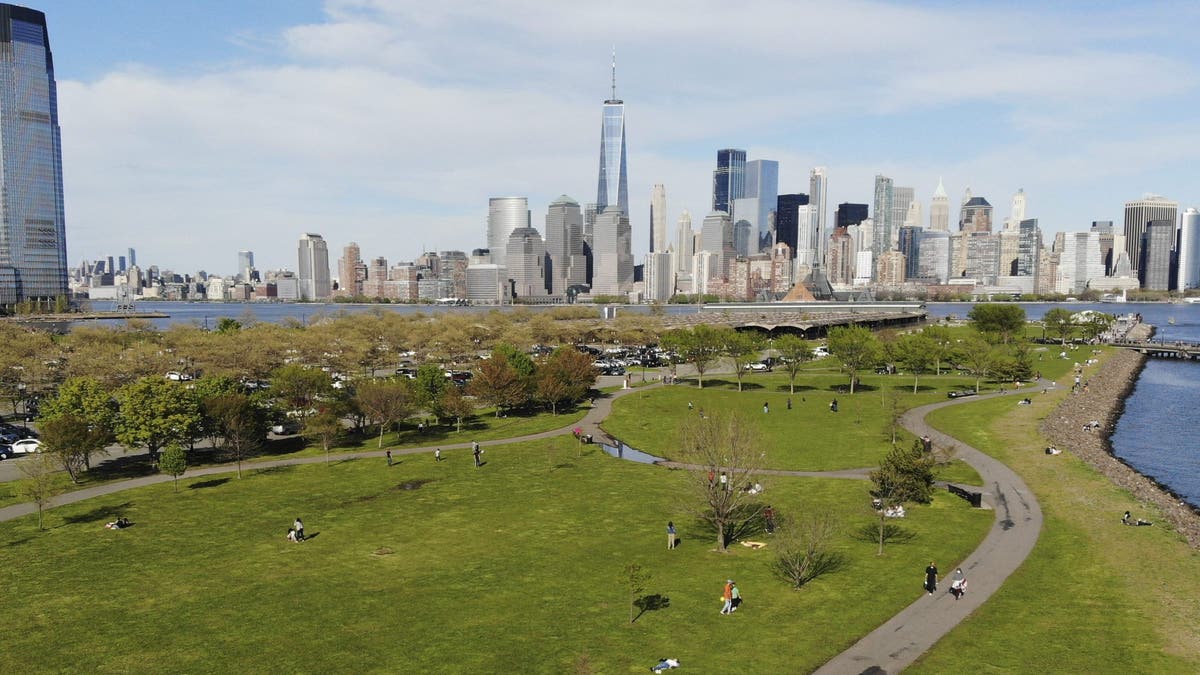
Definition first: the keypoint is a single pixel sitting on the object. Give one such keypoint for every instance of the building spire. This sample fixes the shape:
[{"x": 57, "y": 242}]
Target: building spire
[{"x": 614, "y": 72}]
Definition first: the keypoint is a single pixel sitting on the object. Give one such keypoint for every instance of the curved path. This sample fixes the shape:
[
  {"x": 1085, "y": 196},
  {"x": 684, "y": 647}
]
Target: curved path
[
  {"x": 904, "y": 637},
  {"x": 889, "y": 648}
]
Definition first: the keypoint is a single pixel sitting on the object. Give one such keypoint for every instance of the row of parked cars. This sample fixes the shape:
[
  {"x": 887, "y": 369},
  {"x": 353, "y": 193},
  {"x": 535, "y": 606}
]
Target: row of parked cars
[{"x": 16, "y": 440}]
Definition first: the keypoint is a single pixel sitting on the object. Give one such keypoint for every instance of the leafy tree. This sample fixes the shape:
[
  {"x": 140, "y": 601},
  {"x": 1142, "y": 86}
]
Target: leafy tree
[
  {"x": 701, "y": 346},
  {"x": 300, "y": 388},
  {"x": 1001, "y": 319},
  {"x": 84, "y": 398},
  {"x": 386, "y": 403},
  {"x": 904, "y": 475},
  {"x": 722, "y": 444},
  {"x": 915, "y": 354},
  {"x": 39, "y": 484},
  {"x": 564, "y": 377},
  {"x": 979, "y": 358},
  {"x": 1060, "y": 322},
  {"x": 228, "y": 325},
  {"x": 173, "y": 462},
  {"x": 794, "y": 351},
  {"x": 804, "y": 550},
  {"x": 635, "y": 579},
  {"x": 941, "y": 345},
  {"x": 324, "y": 427},
  {"x": 743, "y": 349},
  {"x": 71, "y": 440},
  {"x": 519, "y": 360},
  {"x": 155, "y": 412},
  {"x": 238, "y": 421},
  {"x": 498, "y": 383},
  {"x": 1096, "y": 323},
  {"x": 429, "y": 386},
  {"x": 856, "y": 347},
  {"x": 457, "y": 406}
]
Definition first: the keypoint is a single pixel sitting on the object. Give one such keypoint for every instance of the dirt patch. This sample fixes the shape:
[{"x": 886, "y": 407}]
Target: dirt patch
[{"x": 414, "y": 484}]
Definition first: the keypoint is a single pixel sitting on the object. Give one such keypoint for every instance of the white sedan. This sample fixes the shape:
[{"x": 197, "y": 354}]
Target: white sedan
[
  {"x": 26, "y": 446},
  {"x": 756, "y": 367}
]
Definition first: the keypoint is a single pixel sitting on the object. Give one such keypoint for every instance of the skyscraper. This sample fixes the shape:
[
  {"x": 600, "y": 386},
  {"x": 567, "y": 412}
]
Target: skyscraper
[
  {"x": 1137, "y": 214},
  {"x": 505, "y": 214},
  {"x": 612, "y": 252},
  {"x": 1018, "y": 211},
  {"x": 818, "y": 189},
  {"x": 1154, "y": 268},
  {"x": 729, "y": 180},
  {"x": 526, "y": 256},
  {"x": 755, "y": 206},
  {"x": 352, "y": 271},
  {"x": 975, "y": 216},
  {"x": 612, "y": 189},
  {"x": 881, "y": 237},
  {"x": 902, "y": 198},
  {"x": 685, "y": 242},
  {"x": 33, "y": 240},
  {"x": 314, "y": 268},
  {"x": 658, "y": 218},
  {"x": 939, "y": 209},
  {"x": 245, "y": 264},
  {"x": 787, "y": 225},
  {"x": 564, "y": 243},
  {"x": 1189, "y": 250}
]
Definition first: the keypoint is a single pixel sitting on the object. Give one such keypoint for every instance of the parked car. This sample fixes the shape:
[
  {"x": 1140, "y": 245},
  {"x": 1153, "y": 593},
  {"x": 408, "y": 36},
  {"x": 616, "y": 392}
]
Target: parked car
[
  {"x": 176, "y": 376},
  {"x": 756, "y": 367},
  {"x": 26, "y": 446},
  {"x": 961, "y": 393},
  {"x": 286, "y": 428}
]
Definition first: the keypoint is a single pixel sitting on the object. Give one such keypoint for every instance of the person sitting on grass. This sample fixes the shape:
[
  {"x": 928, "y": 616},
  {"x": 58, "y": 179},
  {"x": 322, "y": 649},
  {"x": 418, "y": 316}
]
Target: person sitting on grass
[
  {"x": 1127, "y": 520},
  {"x": 665, "y": 664},
  {"x": 291, "y": 535},
  {"x": 118, "y": 524}
]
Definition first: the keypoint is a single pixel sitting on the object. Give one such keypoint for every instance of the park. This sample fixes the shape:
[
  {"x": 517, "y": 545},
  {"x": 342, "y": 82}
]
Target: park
[{"x": 551, "y": 556}]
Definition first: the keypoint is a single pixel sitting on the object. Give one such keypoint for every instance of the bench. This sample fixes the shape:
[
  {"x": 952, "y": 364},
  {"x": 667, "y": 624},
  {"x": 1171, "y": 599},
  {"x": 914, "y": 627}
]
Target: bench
[{"x": 975, "y": 498}]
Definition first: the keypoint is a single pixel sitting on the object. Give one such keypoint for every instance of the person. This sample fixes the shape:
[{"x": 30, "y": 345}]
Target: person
[
  {"x": 437, "y": 455},
  {"x": 769, "y": 517},
  {"x": 711, "y": 478},
  {"x": 1051, "y": 450},
  {"x": 927, "y": 443},
  {"x": 735, "y": 597},
  {"x": 476, "y": 452},
  {"x": 833, "y": 405},
  {"x": 670, "y": 535},
  {"x": 299, "y": 525},
  {"x": 118, "y": 524},
  {"x": 727, "y": 597},
  {"x": 291, "y": 535},
  {"x": 420, "y": 427},
  {"x": 724, "y": 481},
  {"x": 789, "y": 403},
  {"x": 389, "y": 457},
  {"x": 665, "y": 664},
  {"x": 766, "y": 407},
  {"x": 690, "y": 406},
  {"x": 931, "y": 577},
  {"x": 958, "y": 584}
]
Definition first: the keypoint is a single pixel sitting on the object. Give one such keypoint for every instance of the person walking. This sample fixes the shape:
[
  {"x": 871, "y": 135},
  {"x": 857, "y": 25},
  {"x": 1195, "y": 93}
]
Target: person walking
[
  {"x": 389, "y": 457},
  {"x": 789, "y": 403},
  {"x": 766, "y": 407},
  {"x": 931, "y": 577},
  {"x": 727, "y": 596},
  {"x": 298, "y": 526},
  {"x": 670, "y": 535},
  {"x": 769, "y": 517},
  {"x": 958, "y": 584},
  {"x": 735, "y": 597},
  {"x": 476, "y": 452},
  {"x": 437, "y": 455}
]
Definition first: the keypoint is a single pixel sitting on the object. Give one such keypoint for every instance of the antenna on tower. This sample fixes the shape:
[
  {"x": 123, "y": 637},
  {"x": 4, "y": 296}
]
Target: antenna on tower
[{"x": 614, "y": 72}]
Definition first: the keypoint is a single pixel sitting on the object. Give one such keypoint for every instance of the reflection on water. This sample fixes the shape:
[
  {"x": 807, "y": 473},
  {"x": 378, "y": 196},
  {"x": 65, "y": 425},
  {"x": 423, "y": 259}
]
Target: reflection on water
[{"x": 623, "y": 451}]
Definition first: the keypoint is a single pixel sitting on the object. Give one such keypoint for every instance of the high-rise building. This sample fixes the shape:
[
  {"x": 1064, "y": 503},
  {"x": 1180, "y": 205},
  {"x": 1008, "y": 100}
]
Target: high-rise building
[
  {"x": 658, "y": 218},
  {"x": 760, "y": 199},
  {"x": 850, "y": 214},
  {"x": 787, "y": 225},
  {"x": 818, "y": 198},
  {"x": 881, "y": 237},
  {"x": 132, "y": 256},
  {"x": 729, "y": 180},
  {"x": 660, "y": 278},
  {"x": 685, "y": 243},
  {"x": 245, "y": 265},
  {"x": 1079, "y": 262},
  {"x": 1017, "y": 214},
  {"x": 314, "y": 268},
  {"x": 716, "y": 237},
  {"x": 1029, "y": 248},
  {"x": 1107, "y": 242},
  {"x": 33, "y": 239},
  {"x": 1154, "y": 269},
  {"x": 1189, "y": 250},
  {"x": 1137, "y": 214},
  {"x": 975, "y": 216},
  {"x": 902, "y": 199},
  {"x": 505, "y": 214},
  {"x": 612, "y": 189},
  {"x": 526, "y": 262},
  {"x": 612, "y": 252},
  {"x": 983, "y": 257},
  {"x": 939, "y": 210},
  {"x": 909, "y": 244},
  {"x": 933, "y": 256},
  {"x": 564, "y": 243},
  {"x": 352, "y": 271}
]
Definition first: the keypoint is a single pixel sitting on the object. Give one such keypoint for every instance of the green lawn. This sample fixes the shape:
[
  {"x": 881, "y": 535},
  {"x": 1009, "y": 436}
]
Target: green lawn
[
  {"x": 1094, "y": 596},
  {"x": 512, "y": 567}
]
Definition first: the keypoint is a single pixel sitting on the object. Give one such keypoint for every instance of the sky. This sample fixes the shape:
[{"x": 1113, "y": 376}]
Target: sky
[{"x": 192, "y": 130}]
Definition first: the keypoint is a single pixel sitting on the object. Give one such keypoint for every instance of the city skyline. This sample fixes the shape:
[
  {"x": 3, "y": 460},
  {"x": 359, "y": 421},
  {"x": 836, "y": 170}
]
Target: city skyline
[{"x": 1034, "y": 104}]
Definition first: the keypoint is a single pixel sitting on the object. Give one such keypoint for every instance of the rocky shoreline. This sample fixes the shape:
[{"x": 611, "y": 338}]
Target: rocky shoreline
[{"x": 1103, "y": 401}]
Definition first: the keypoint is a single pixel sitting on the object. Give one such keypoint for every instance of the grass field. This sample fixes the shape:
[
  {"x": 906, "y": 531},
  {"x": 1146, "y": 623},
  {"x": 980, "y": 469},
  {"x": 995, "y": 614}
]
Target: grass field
[
  {"x": 1094, "y": 596},
  {"x": 513, "y": 567}
]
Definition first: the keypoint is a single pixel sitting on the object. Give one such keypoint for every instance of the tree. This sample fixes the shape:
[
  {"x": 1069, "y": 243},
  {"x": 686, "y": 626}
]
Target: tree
[
  {"x": 635, "y": 578},
  {"x": 39, "y": 484},
  {"x": 498, "y": 383},
  {"x": 457, "y": 406},
  {"x": 564, "y": 377},
  {"x": 700, "y": 346},
  {"x": 86, "y": 399},
  {"x": 71, "y": 440},
  {"x": 804, "y": 549},
  {"x": 794, "y": 351},
  {"x": 743, "y": 349},
  {"x": 904, "y": 475},
  {"x": 324, "y": 427},
  {"x": 1001, "y": 319},
  {"x": 386, "y": 402},
  {"x": 173, "y": 462},
  {"x": 1060, "y": 322},
  {"x": 239, "y": 421},
  {"x": 228, "y": 324},
  {"x": 154, "y": 412},
  {"x": 856, "y": 347},
  {"x": 941, "y": 345},
  {"x": 1096, "y": 323},
  {"x": 722, "y": 445},
  {"x": 300, "y": 388},
  {"x": 915, "y": 354},
  {"x": 428, "y": 387},
  {"x": 979, "y": 358}
]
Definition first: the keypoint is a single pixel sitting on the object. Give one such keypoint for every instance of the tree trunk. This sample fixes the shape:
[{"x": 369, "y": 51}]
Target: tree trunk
[
  {"x": 916, "y": 378},
  {"x": 381, "y": 427}
]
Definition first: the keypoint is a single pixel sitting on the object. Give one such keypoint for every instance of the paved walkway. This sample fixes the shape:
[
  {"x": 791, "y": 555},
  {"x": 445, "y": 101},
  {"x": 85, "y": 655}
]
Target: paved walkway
[{"x": 898, "y": 642}]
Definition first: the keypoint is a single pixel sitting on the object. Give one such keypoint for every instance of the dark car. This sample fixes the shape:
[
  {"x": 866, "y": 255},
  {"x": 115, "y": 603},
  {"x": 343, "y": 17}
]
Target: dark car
[{"x": 961, "y": 393}]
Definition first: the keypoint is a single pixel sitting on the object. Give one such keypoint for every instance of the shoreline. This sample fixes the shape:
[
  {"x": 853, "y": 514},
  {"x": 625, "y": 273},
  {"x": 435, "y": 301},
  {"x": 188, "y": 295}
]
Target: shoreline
[{"x": 1105, "y": 401}]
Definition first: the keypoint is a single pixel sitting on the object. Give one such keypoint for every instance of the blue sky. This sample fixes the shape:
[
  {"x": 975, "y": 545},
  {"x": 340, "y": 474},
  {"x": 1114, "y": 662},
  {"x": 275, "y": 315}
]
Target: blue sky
[{"x": 194, "y": 129}]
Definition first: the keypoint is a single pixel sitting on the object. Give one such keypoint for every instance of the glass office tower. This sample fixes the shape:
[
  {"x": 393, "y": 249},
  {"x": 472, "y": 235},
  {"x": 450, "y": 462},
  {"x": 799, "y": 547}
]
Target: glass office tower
[
  {"x": 33, "y": 243},
  {"x": 729, "y": 180},
  {"x": 613, "y": 187}
]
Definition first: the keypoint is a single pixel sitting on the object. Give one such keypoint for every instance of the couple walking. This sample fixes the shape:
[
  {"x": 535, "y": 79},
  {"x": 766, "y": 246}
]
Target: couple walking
[{"x": 731, "y": 597}]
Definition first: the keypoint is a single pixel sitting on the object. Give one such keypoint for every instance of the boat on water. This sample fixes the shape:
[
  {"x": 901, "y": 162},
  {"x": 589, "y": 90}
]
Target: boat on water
[
  {"x": 1192, "y": 301},
  {"x": 1171, "y": 320},
  {"x": 1113, "y": 297}
]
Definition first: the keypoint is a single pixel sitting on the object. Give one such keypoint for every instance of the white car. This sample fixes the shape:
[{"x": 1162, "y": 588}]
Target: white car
[
  {"x": 757, "y": 367},
  {"x": 26, "y": 446}
]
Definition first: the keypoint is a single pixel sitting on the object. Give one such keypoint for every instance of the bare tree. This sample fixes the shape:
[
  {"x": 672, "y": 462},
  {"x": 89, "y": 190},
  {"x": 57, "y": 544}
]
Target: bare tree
[
  {"x": 39, "y": 486},
  {"x": 804, "y": 548},
  {"x": 726, "y": 457},
  {"x": 386, "y": 403}
]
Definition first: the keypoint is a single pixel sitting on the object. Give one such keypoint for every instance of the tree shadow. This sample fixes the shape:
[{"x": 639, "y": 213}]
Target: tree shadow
[
  {"x": 105, "y": 513},
  {"x": 413, "y": 484},
  {"x": 208, "y": 483},
  {"x": 650, "y": 603},
  {"x": 122, "y": 468},
  {"x": 275, "y": 469},
  {"x": 785, "y": 388},
  {"x": 892, "y": 533}
]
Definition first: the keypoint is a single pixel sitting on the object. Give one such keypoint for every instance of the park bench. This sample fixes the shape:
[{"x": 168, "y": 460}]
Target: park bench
[{"x": 975, "y": 498}]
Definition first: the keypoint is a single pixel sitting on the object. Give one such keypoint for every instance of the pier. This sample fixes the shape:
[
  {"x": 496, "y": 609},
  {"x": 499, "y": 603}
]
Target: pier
[{"x": 1162, "y": 350}]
